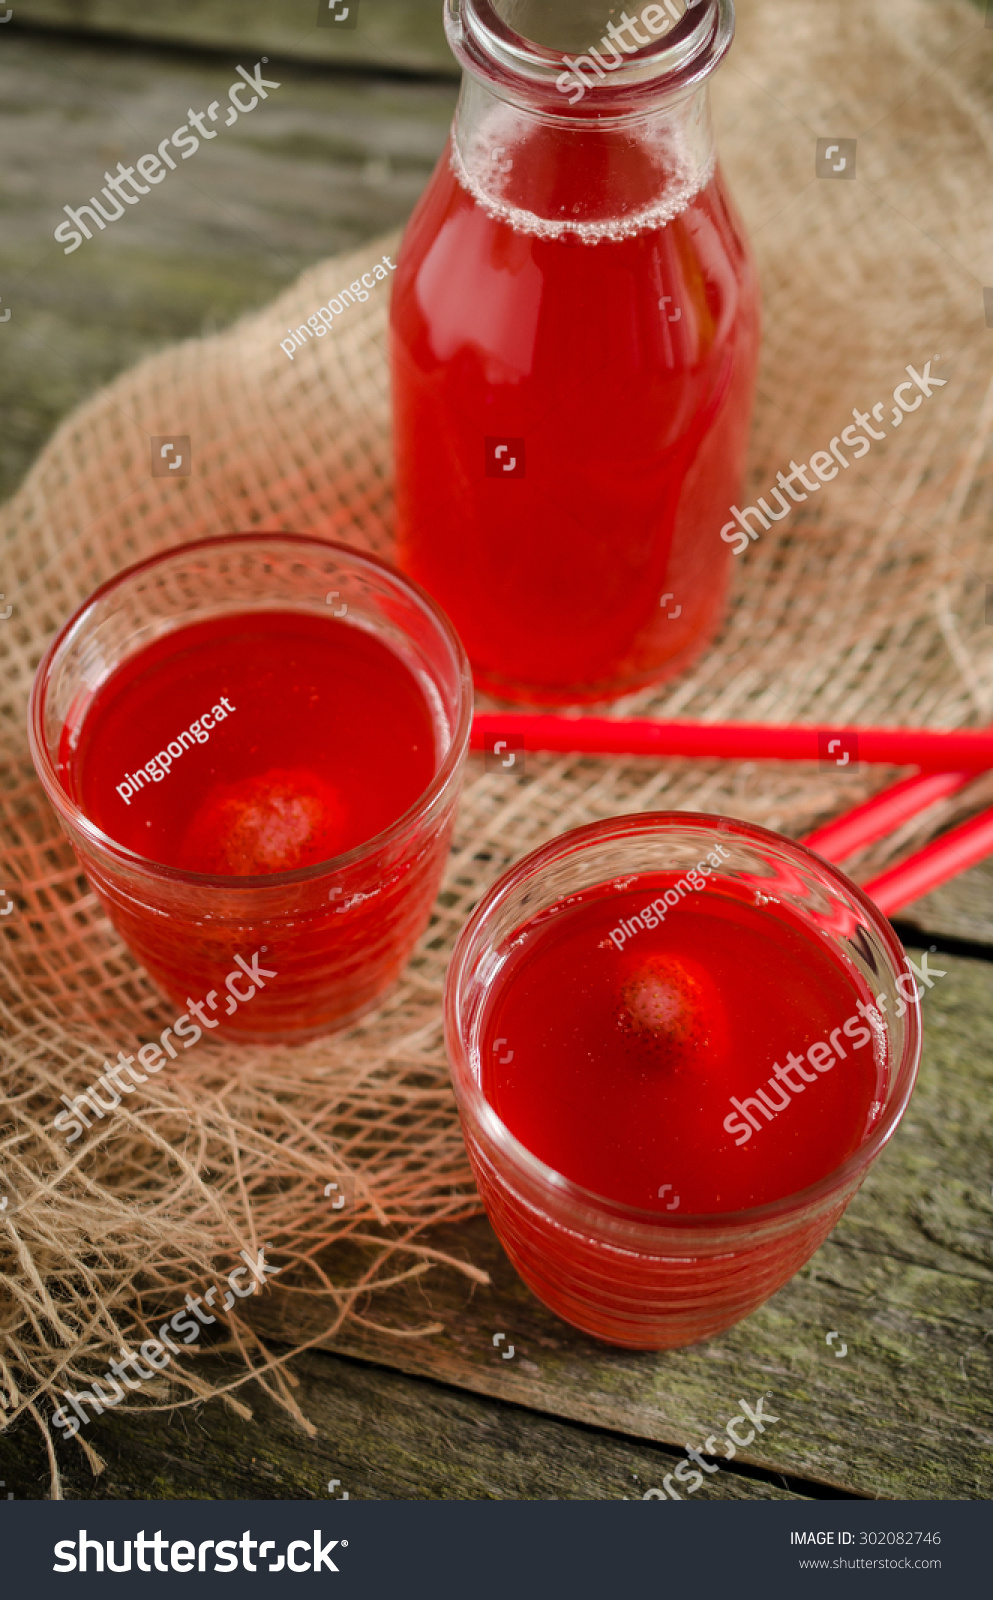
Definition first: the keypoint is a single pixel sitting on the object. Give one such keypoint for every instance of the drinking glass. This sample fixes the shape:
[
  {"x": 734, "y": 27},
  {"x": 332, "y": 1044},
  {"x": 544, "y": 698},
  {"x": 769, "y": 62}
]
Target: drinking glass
[
  {"x": 626, "y": 1275},
  {"x": 337, "y": 933}
]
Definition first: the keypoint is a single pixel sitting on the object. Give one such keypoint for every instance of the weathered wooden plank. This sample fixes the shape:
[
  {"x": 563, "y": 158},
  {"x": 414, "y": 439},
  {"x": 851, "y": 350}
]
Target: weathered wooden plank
[
  {"x": 960, "y": 909},
  {"x": 904, "y": 1414},
  {"x": 382, "y": 1435},
  {"x": 907, "y": 1280},
  {"x": 403, "y": 34},
  {"x": 325, "y": 163}
]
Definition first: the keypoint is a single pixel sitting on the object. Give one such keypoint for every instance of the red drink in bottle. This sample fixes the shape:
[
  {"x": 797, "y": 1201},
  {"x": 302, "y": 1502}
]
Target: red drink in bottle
[{"x": 574, "y": 338}]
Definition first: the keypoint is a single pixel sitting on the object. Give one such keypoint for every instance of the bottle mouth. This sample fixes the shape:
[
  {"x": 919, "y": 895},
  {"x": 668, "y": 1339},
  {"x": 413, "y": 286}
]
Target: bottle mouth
[{"x": 616, "y": 78}]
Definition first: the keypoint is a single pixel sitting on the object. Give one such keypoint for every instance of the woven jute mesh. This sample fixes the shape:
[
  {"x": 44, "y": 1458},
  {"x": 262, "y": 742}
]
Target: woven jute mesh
[{"x": 867, "y": 604}]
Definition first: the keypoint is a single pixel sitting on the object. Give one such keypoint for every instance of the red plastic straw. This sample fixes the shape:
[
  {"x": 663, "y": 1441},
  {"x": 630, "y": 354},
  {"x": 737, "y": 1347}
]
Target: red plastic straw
[
  {"x": 929, "y": 868},
  {"x": 959, "y": 751},
  {"x": 951, "y": 760},
  {"x": 878, "y": 817}
]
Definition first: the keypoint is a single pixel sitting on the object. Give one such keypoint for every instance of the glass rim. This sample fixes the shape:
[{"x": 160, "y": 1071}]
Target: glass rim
[
  {"x": 518, "y": 69},
  {"x": 69, "y": 811},
  {"x": 601, "y": 1208}
]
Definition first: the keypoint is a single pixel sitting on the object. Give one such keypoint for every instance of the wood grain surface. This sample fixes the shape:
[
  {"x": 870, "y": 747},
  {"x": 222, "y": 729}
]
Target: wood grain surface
[
  {"x": 404, "y": 35},
  {"x": 961, "y": 909},
  {"x": 328, "y": 161},
  {"x": 382, "y": 1434}
]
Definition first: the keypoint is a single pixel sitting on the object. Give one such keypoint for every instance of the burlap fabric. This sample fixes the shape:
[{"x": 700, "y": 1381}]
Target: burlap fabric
[{"x": 866, "y": 604}]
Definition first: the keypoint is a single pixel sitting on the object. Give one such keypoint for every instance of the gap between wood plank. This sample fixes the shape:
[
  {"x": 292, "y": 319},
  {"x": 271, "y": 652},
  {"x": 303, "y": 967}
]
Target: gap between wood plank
[
  {"x": 806, "y": 1488},
  {"x": 947, "y": 944}
]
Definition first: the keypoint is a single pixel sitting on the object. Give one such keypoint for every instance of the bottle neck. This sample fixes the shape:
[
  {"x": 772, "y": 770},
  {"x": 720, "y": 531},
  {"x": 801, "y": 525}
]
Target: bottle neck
[
  {"x": 602, "y": 142},
  {"x": 622, "y": 67}
]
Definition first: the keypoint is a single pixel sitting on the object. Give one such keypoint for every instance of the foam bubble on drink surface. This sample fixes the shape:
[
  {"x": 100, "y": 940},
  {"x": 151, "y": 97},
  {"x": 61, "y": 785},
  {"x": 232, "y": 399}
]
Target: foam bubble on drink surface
[{"x": 485, "y": 167}]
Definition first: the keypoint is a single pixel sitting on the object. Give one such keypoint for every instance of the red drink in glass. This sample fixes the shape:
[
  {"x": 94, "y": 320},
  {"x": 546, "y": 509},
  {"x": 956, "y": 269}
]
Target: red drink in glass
[
  {"x": 630, "y": 1060},
  {"x": 674, "y": 1074},
  {"x": 256, "y": 744},
  {"x": 299, "y": 737},
  {"x": 574, "y": 337}
]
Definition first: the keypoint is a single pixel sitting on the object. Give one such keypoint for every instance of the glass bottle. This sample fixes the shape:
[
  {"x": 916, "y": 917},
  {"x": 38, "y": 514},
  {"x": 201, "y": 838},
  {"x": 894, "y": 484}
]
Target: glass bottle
[{"x": 574, "y": 336}]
